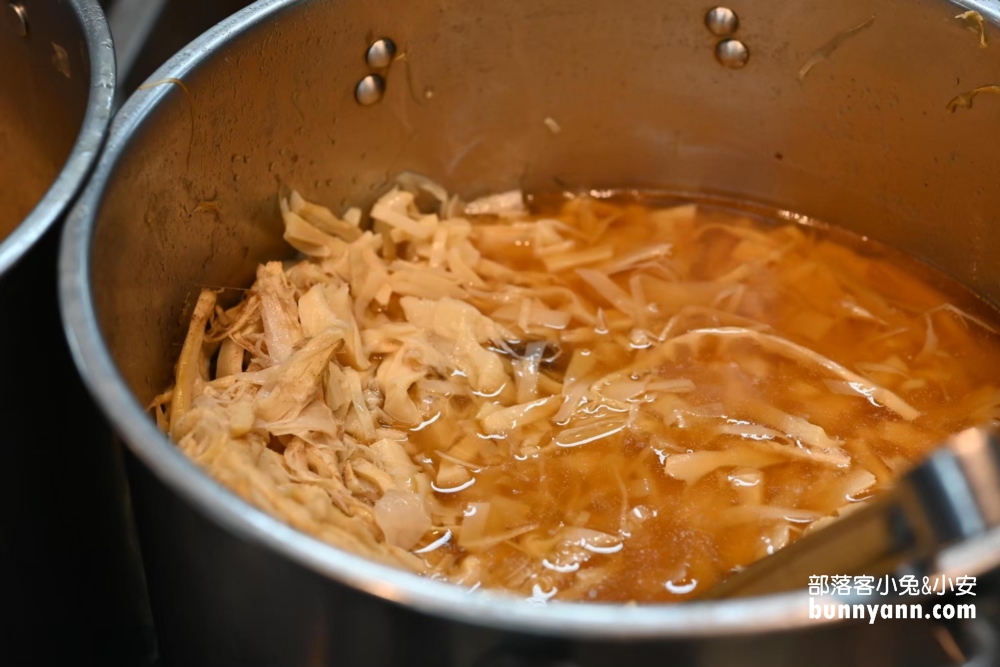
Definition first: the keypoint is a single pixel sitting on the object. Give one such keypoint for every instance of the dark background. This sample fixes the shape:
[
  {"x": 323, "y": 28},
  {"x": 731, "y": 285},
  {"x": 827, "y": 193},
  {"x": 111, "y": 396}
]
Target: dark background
[
  {"x": 72, "y": 590},
  {"x": 146, "y": 43}
]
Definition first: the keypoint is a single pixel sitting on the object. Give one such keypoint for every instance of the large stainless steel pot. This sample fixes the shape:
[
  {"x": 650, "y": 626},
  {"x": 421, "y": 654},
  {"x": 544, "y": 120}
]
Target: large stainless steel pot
[
  {"x": 863, "y": 140},
  {"x": 70, "y": 580}
]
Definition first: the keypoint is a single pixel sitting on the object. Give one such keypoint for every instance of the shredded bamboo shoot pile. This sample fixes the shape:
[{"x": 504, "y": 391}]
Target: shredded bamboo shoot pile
[{"x": 596, "y": 400}]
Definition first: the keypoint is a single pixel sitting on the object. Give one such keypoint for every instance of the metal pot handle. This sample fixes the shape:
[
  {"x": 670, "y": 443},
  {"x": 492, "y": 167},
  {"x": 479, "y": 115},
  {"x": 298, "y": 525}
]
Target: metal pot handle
[
  {"x": 513, "y": 657},
  {"x": 943, "y": 518},
  {"x": 969, "y": 643},
  {"x": 980, "y": 640}
]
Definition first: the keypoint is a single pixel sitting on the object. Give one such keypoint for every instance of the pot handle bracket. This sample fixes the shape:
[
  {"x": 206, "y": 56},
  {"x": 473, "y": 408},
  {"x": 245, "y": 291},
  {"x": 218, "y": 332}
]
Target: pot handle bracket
[{"x": 969, "y": 643}]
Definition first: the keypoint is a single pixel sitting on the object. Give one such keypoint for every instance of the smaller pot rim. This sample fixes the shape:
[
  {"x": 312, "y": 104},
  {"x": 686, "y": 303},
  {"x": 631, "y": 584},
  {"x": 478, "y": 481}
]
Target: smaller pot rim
[
  {"x": 596, "y": 621},
  {"x": 86, "y": 148}
]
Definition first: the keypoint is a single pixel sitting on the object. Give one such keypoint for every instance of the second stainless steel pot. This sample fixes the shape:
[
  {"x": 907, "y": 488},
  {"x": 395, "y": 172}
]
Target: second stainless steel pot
[
  {"x": 70, "y": 577},
  {"x": 643, "y": 94}
]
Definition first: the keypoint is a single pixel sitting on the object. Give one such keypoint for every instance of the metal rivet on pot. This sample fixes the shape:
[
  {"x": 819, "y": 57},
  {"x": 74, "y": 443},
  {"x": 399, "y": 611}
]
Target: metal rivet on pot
[
  {"x": 722, "y": 21},
  {"x": 369, "y": 90},
  {"x": 732, "y": 53},
  {"x": 17, "y": 18},
  {"x": 381, "y": 53}
]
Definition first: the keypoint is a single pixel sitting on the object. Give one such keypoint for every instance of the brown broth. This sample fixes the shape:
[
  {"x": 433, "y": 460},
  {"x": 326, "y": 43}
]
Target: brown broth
[{"x": 862, "y": 305}]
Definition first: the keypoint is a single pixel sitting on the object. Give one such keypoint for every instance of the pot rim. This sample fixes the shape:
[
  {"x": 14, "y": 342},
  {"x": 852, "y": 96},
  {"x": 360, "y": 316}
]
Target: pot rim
[
  {"x": 97, "y": 116},
  {"x": 771, "y": 613}
]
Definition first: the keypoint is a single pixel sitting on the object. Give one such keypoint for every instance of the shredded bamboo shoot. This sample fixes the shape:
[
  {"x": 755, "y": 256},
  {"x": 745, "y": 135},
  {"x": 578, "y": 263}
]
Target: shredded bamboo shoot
[{"x": 594, "y": 400}]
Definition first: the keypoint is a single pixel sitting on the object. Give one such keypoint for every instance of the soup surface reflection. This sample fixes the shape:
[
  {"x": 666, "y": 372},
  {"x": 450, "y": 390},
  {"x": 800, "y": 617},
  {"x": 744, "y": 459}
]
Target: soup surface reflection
[{"x": 597, "y": 400}]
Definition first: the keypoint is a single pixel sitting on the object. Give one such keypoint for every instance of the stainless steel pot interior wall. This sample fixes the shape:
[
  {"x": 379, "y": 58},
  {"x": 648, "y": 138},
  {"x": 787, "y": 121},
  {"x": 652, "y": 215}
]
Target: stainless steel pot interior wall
[
  {"x": 863, "y": 139},
  {"x": 46, "y": 81},
  {"x": 69, "y": 575}
]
